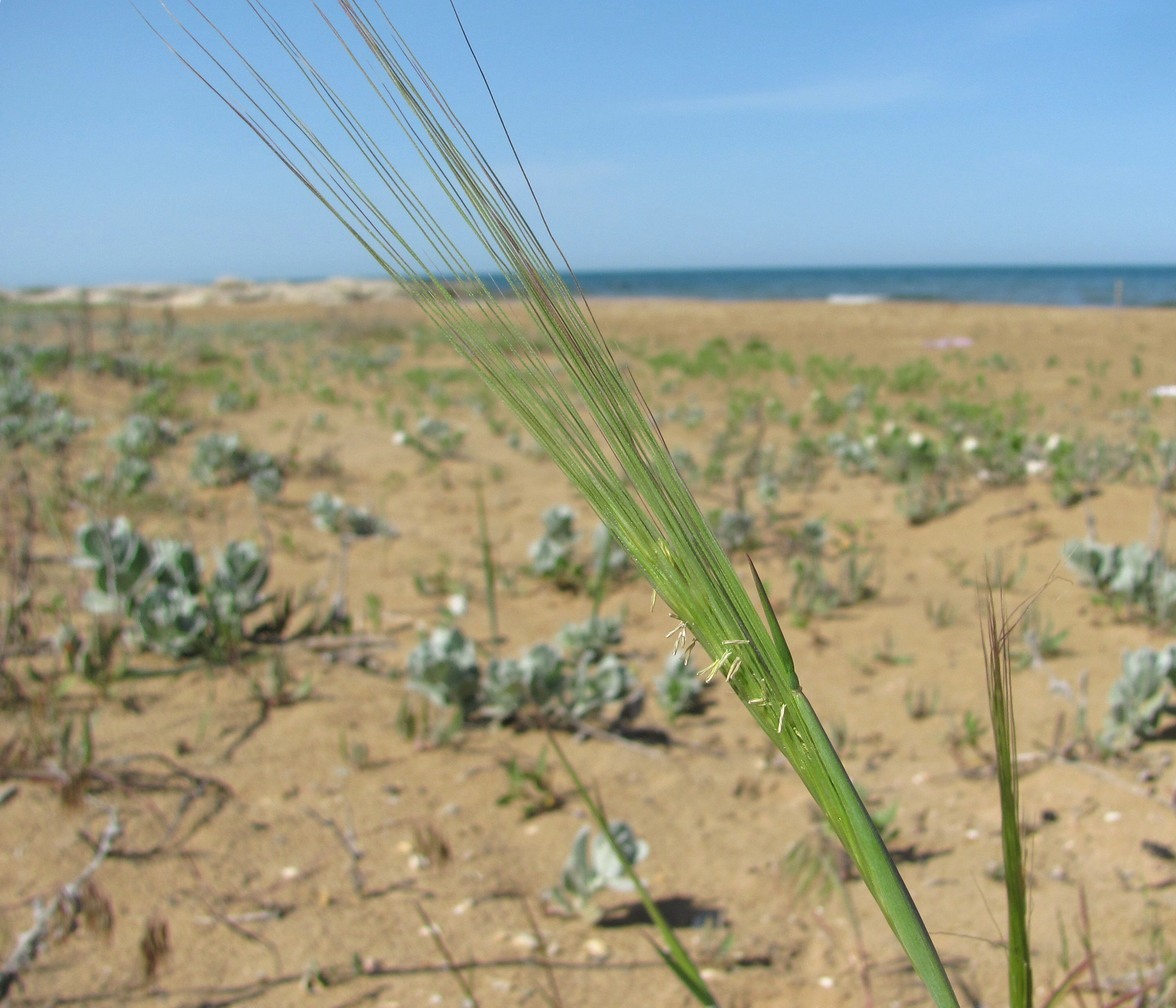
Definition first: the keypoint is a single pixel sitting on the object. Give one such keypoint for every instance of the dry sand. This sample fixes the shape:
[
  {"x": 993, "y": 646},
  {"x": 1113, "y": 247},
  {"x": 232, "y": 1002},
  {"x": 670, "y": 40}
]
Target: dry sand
[{"x": 284, "y": 854}]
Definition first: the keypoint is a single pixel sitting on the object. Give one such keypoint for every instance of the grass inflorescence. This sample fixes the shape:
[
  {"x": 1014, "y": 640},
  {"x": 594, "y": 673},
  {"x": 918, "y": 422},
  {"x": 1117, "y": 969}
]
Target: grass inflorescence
[{"x": 561, "y": 380}]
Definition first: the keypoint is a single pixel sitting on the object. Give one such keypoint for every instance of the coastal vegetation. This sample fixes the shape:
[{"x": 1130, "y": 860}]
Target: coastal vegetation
[{"x": 867, "y": 488}]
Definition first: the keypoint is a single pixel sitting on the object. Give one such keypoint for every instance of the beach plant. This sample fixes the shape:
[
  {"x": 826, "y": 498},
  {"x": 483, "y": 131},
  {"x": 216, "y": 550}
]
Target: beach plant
[
  {"x": 349, "y": 523},
  {"x": 678, "y": 690},
  {"x": 223, "y": 459},
  {"x": 33, "y": 418},
  {"x": 155, "y": 591},
  {"x": 31, "y": 421},
  {"x": 140, "y": 440},
  {"x": 593, "y": 866},
  {"x": 1041, "y": 640},
  {"x": 136, "y": 444},
  {"x": 333, "y": 514},
  {"x": 565, "y": 684},
  {"x": 120, "y": 559},
  {"x": 433, "y": 438},
  {"x": 1139, "y": 698},
  {"x": 1134, "y": 576},
  {"x": 443, "y": 668},
  {"x": 563, "y": 383},
  {"x": 529, "y": 782},
  {"x": 233, "y": 399},
  {"x": 817, "y": 590},
  {"x": 144, "y": 437},
  {"x": 553, "y": 554}
]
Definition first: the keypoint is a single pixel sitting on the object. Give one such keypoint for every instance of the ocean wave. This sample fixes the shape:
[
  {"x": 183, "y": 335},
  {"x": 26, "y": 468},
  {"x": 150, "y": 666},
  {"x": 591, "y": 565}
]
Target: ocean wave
[{"x": 855, "y": 299}]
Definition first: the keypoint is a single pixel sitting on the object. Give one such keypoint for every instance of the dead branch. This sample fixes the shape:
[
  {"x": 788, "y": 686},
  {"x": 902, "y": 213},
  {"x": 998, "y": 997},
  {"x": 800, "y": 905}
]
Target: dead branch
[{"x": 58, "y": 917}]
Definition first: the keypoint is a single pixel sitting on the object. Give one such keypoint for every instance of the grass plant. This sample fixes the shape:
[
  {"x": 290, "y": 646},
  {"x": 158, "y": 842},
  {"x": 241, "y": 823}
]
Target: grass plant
[
  {"x": 997, "y": 628},
  {"x": 562, "y": 381}
]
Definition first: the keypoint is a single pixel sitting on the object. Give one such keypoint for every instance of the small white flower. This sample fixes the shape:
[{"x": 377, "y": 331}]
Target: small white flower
[
  {"x": 1052, "y": 443},
  {"x": 869, "y": 441},
  {"x": 399, "y": 438},
  {"x": 1035, "y": 467},
  {"x": 970, "y": 444},
  {"x": 457, "y": 604},
  {"x": 915, "y": 439}
]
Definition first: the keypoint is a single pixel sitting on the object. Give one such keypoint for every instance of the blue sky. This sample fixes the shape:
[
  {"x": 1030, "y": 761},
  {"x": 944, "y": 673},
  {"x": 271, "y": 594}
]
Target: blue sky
[{"x": 658, "y": 134}]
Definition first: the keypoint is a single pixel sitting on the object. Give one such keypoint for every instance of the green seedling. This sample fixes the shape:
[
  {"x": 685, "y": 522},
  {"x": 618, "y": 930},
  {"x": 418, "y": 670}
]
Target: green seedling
[
  {"x": 941, "y": 613},
  {"x": 233, "y": 399},
  {"x": 921, "y": 703},
  {"x": 278, "y": 688},
  {"x": 530, "y": 784},
  {"x": 1040, "y": 640}
]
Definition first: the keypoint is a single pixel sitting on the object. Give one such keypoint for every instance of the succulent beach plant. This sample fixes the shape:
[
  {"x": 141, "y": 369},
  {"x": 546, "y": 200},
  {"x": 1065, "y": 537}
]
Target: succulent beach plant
[
  {"x": 222, "y": 460},
  {"x": 157, "y": 585},
  {"x": 1139, "y": 697},
  {"x": 593, "y": 866}
]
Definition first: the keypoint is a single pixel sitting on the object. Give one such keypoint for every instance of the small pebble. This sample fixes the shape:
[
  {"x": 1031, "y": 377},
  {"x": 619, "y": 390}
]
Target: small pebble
[
  {"x": 596, "y": 950},
  {"x": 525, "y": 941}
]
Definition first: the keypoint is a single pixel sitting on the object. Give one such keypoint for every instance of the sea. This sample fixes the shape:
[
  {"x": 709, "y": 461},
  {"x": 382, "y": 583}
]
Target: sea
[{"x": 1071, "y": 286}]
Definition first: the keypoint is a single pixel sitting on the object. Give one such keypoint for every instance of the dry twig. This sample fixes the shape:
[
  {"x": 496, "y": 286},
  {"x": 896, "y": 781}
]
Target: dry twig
[{"x": 58, "y": 917}]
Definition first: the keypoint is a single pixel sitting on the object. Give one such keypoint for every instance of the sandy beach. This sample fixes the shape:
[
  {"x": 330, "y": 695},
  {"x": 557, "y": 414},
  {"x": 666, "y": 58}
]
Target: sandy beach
[{"x": 290, "y": 835}]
